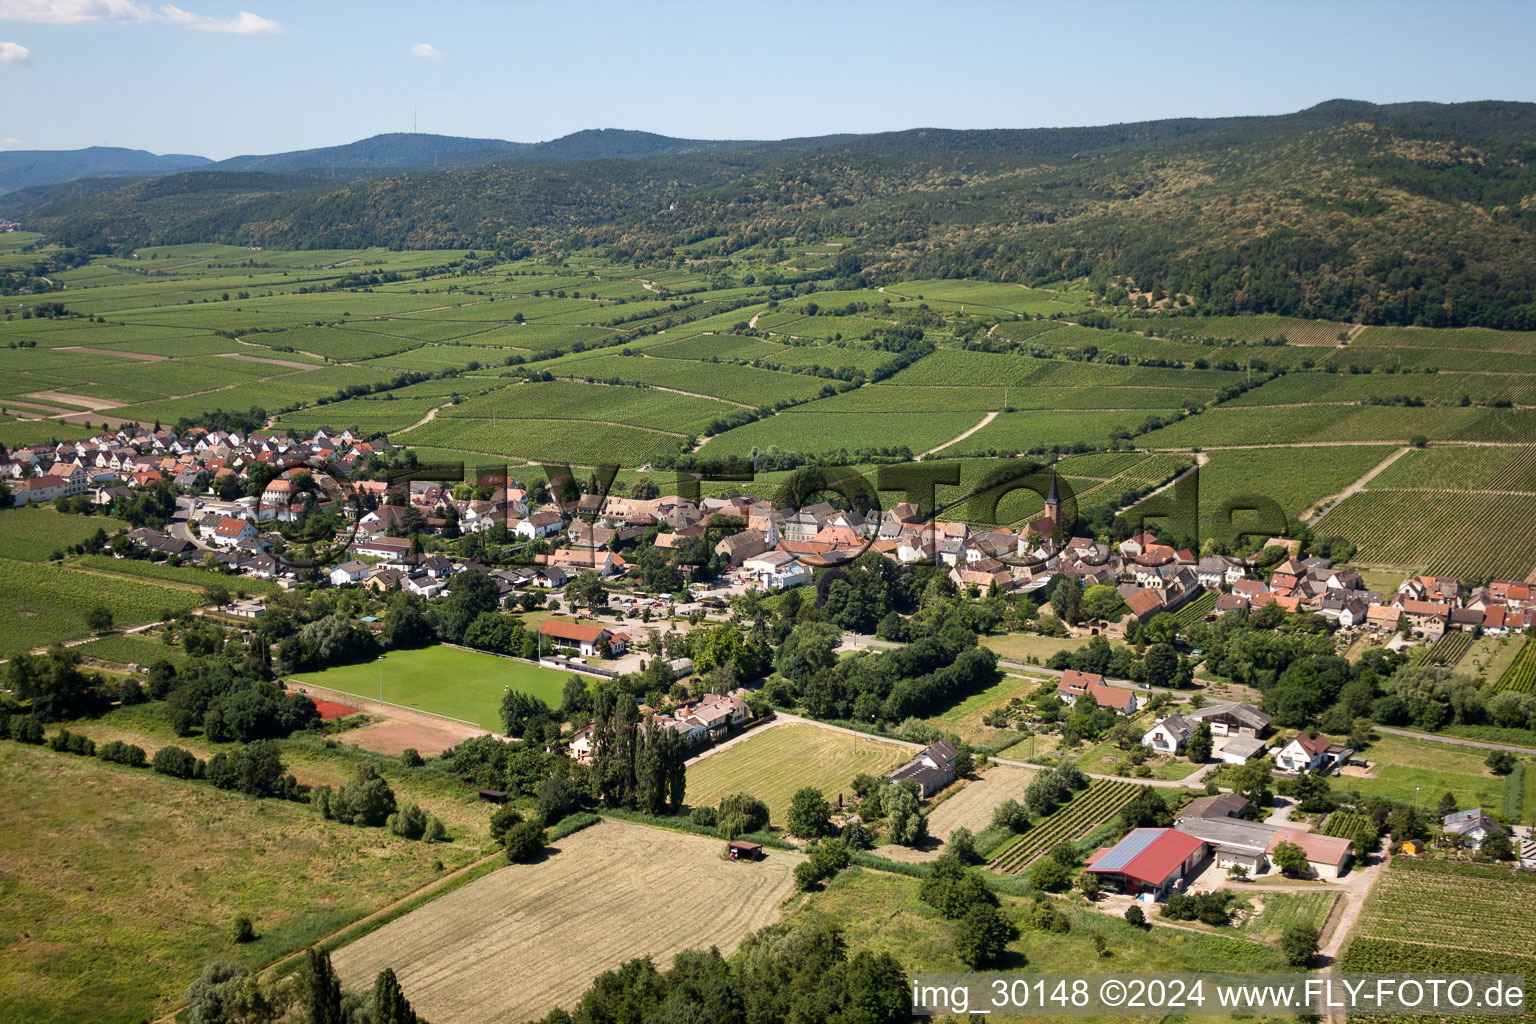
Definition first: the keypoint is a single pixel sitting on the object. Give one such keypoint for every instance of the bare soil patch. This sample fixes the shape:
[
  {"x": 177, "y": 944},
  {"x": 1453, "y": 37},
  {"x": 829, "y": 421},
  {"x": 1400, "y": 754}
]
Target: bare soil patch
[
  {"x": 396, "y": 737},
  {"x": 529, "y": 937},
  {"x": 145, "y": 357},
  {"x": 294, "y": 363},
  {"x": 82, "y": 401}
]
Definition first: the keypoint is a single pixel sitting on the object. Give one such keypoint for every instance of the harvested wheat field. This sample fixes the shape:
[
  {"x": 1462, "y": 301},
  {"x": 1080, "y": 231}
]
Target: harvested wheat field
[{"x": 529, "y": 937}]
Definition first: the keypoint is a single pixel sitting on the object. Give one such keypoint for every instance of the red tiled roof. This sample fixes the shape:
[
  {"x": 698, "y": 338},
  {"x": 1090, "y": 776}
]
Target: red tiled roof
[
  {"x": 1160, "y": 857},
  {"x": 572, "y": 631}
]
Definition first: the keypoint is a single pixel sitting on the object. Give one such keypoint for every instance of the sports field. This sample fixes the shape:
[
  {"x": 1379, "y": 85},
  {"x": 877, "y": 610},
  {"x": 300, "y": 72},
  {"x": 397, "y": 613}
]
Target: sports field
[
  {"x": 775, "y": 762},
  {"x": 529, "y": 937},
  {"x": 444, "y": 681}
]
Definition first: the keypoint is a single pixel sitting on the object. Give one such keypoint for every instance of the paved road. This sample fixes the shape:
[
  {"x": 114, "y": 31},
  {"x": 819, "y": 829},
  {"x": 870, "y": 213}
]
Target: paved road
[{"x": 1454, "y": 740}]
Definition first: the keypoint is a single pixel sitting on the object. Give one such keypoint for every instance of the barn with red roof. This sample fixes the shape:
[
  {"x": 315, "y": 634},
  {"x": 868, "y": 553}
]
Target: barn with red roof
[{"x": 1148, "y": 860}]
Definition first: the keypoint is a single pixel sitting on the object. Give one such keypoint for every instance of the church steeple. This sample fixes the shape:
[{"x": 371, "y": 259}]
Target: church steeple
[{"x": 1053, "y": 500}]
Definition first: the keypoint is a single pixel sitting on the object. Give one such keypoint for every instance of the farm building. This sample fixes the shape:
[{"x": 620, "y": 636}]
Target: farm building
[
  {"x": 1250, "y": 843},
  {"x": 1240, "y": 749},
  {"x": 1150, "y": 861},
  {"x": 739, "y": 850},
  {"x": 1232, "y": 718}
]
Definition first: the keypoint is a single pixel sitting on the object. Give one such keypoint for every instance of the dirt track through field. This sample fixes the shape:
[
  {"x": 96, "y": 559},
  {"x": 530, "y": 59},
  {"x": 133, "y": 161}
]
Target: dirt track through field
[
  {"x": 273, "y": 362},
  {"x": 145, "y": 357},
  {"x": 529, "y": 937}
]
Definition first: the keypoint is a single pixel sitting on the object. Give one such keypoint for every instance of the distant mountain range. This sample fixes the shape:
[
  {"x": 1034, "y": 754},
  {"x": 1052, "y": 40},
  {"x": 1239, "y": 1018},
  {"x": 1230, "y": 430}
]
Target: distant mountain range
[
  {"x": 397, "y": 151},
  {"x": 1404, "y": 213}
]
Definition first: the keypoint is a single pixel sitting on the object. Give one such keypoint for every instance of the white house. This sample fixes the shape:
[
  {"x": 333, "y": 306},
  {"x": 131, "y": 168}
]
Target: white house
[
  {"x": 231, "y": 531},
  {"x": 351, "y": 571},
  {"x": 1306, "y": 753},
  {"x": 1170, "y": 734}
]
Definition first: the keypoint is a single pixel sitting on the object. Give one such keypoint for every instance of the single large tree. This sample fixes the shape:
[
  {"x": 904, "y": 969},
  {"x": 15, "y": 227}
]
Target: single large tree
[{"x": 809, "y": 813}]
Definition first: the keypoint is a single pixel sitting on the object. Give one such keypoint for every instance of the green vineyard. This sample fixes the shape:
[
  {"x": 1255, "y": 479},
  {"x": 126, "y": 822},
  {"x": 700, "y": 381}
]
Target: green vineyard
[
  {"x": 1450, "y": 649},
  {"x": 1521, "y": 674},
  {"x": 1343, "y": 824},
  {"x": 1075, "y": 819}
]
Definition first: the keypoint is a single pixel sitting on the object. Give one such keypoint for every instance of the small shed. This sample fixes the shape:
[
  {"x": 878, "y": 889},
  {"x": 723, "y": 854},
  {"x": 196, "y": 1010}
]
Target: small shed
[
  {"x": 1413, "y": 847},
  {"x": 739, "y": 850},
  {"x": 494, "y": 796}
]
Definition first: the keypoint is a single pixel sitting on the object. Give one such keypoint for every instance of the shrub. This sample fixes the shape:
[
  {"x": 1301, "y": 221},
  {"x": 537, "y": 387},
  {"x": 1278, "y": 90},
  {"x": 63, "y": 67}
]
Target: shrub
[
  {"x": 26, "y": 729},
  {"x": 1299, "y": 943},
  {"x": 557, "y": 797},
  {"x": 502, "y": 820},
  {"x": 1050, "y": 875},
  {"x": 525, "y": 841},
  {"x": 1011, "y": 815},
  {"x": 243, "y": 930},
  {"x": 412, "y": 757},
  {"x": 409, "y": 822},
  {"x": 119, "y": 752},
  {"x": 1211, "y": 908},
  {"x": 177, "y": 763},
  {"x": 1135, "y": 917},
  {"x": 806, "y": 876},
  {"x": 1047, "y": 918},
  {"x": 130, "y": 692},
  {"x": 436, "y": 832},
  {"x": 704, "y": 817},
  {"x": 365, "y": 800},
  {"x": 963, "y": 845}
]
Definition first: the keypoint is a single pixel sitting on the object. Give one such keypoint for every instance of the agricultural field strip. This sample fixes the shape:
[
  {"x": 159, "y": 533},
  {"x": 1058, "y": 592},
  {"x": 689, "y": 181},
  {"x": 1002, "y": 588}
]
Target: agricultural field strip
[
  {"x": 1101, "y": 801},
  {"x": 1432, "y": 909},
  {"x": 453, "y": 954}
]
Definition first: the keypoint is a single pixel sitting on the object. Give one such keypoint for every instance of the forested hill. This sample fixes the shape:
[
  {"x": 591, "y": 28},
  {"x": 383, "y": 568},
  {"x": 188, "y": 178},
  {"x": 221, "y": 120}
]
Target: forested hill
[{"x": 1412, "y": 213}]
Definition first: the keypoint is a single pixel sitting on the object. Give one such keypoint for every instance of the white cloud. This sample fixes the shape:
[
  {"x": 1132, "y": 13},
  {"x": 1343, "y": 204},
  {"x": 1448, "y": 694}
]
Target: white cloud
[
  {"x": 9, "y": 143},
  {"x": 245, "y": 23},
  {"x": 68, "y": 12},
  {"x": 14, "y": 53},
  {"x": 74, "y": 12},
  {"x": 426, "y": 50}
]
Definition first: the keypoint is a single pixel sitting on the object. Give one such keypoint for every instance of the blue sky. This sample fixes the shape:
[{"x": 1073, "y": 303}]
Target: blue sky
[{"x": 256, "y": 76}]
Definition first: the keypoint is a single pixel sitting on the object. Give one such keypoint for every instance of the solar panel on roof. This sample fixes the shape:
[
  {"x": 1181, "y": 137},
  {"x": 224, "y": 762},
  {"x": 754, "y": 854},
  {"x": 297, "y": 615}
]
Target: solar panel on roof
[{"x": 1127, "y": 849}]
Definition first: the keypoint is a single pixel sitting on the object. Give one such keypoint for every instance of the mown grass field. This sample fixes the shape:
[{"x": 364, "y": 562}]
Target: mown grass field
[
  {"x": 773, "y": 763},
  {"x": 120, "y": 884},
  {"x": 445, "y": 681},
  {"x": 1404, "y": 769}
]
